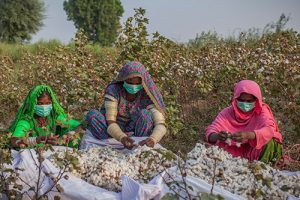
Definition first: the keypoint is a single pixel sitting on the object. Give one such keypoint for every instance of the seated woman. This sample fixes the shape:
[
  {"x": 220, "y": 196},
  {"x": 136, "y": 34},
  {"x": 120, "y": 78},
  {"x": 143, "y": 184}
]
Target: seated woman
[
  {"x": 132, "y": 104},
  {"x": 40, "y": 119},
  {"x": 247, "y": 128}
]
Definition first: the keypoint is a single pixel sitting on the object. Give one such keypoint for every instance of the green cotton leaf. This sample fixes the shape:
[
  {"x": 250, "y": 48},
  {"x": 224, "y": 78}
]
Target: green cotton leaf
[
  {"x": 20, "y": 187},
  {"x": 8, "y": 170},
  {"x": 68, "y": 157},
  {"x": 61, "y": 124},
  {"x": 146, "y": 154},
  {"x": 267, "y": 181},
  {"x": 150, "y": 162},
  {"x": 75, "y": 141},
  {"x": 51, "y": 148},
  {"x": 47, "y": 174},
  {"x": 190, "y": 187},
  {"x": 206, "y": 196},
  {"x": 263, "y": 166},
  {"x": 59, "y": 188},
  {"x": 57, "y": 198},
  {"x": 31, "y": 188},
  {"x": 66, "y": 177},
  {"x": 170, "y": 156},
  {"x": 59, "y": 163},
  {"x": 74, "y": 161},
  {"x": 159, "y": 151},
  {"x": 259, "y": 193},
  {"x": 285, "y": 188},
  {"x": 258, "y": 177},
  {"x": 170, "y": 196},
  {"x": 19, "y": 169}
]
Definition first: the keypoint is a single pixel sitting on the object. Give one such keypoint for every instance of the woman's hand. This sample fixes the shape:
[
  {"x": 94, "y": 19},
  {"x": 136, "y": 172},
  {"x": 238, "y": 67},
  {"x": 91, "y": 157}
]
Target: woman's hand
[
  {"x": 127, "y": 142},
  {"x": 41, "y": 139},
  {"x": 47, "y": 139},
  {"x": 149, "y": 142},
  {"x": 240, "y": 136},
  {"x": 52, "y": 140},
  {"x": 222, "y": 136},
  {"x": 18, "y": 142}
]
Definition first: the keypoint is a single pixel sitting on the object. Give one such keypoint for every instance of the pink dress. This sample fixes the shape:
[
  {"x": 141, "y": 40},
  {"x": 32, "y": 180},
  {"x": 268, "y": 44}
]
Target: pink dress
[{"x": 260, "y": 121}]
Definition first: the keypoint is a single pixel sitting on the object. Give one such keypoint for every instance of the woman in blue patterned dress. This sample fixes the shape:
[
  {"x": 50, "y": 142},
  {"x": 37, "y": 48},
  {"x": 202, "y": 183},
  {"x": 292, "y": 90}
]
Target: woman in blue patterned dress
[{"x": 132, "y": 104}]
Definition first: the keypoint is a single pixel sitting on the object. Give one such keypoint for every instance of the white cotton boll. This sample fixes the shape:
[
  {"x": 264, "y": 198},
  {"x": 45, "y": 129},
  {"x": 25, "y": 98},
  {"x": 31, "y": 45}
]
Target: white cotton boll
[
  {"x": 109, "y": 165},
  {"x": 228, "y": 141},
  {"x": 237, "y": 176},
  {"x": 103, "y": 167}
]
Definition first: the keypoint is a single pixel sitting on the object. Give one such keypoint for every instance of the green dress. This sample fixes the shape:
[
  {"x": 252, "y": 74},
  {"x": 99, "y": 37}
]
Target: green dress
[
  {"x": 26, "y": 126},
  {"x": 30, "y": 127}
]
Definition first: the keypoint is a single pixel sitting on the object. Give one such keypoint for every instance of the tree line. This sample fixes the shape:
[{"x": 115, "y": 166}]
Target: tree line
[{"x": 98, "y": 19}]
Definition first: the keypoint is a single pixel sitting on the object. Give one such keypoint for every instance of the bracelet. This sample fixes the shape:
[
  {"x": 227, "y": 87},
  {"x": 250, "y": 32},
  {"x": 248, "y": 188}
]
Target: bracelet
[{"x": 18, "y": 141}]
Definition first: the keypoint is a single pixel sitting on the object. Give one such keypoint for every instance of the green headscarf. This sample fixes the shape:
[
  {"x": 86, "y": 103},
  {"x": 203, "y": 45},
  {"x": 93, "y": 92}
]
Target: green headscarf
[{"x": 26, "y": 111}]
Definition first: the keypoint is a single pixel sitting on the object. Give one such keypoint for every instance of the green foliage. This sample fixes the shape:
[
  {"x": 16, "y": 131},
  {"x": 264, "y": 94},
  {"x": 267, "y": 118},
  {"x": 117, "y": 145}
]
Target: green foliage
[
  {"x": 206, "y": 196},
  {"x": 99, "y": 19},
  {"x": 170, "y": 196},
  {"x": 277, "y": 26},
  {"x": 16, "y": 51},
  {"x": 8, "y": 177},
  {"x": 204, "y": 39},
  {"x": 250, "y": 36},
  {"x": 133, "y": 40},
  {"x": 19, "y": 19}
]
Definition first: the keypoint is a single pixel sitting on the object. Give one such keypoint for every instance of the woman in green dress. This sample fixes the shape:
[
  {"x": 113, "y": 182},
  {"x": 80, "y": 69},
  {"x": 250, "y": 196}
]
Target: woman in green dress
[{"x": 41, "y": 120}]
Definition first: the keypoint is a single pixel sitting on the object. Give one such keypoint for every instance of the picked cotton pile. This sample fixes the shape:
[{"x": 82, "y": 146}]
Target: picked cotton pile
[
  {"x": 240, "y": 176},
  {"x": 104, "y": 167}
]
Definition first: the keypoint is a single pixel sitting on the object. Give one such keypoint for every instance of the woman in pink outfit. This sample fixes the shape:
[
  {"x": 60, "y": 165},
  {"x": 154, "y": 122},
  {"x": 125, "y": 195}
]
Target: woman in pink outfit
[{"x": 247, "y": 128}]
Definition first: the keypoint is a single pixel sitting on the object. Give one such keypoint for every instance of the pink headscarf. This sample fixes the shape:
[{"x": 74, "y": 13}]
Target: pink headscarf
[{"x": 260, "y": 121}]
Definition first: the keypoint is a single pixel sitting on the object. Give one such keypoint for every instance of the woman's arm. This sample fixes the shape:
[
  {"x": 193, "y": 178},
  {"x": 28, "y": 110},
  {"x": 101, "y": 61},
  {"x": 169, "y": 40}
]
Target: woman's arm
[
  {"x": 113, "y": 129},
  {"x": 240, "y": 136},
  {"x": 159, "y": 125},
  {"x": 159, "y": 128},
  {"x": 18, "y": 139}
]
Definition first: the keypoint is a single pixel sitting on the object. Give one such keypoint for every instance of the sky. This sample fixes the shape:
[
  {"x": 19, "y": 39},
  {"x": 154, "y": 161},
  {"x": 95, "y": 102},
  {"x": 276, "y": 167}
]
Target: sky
[{"x": 181, "y": 20}]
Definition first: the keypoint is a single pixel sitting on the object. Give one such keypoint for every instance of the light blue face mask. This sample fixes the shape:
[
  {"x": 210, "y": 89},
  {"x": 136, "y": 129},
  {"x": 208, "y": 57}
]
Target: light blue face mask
[
  {"x": 132, "y": 89},
  {"x": 43, "y": 110},
  {"x": 245, "y": 106}
]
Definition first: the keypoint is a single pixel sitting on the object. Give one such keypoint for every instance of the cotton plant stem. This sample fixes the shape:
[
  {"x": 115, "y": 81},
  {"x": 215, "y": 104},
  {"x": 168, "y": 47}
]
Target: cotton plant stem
[
  {"x": 26, "y": 192},
  {"x": 58, "y": 178},
  {"x": 183, "y": 175},
  {"x": 185, "y": 188},
  {"x": 214, "y": 177},
  {"x": 39, "y": 175}
]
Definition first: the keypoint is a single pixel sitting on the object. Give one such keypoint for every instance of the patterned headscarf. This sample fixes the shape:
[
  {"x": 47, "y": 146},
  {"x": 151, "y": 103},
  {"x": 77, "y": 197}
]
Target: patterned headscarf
[
  {"x": 136, "y": 69},
  {"x": 26, "y": 111}
]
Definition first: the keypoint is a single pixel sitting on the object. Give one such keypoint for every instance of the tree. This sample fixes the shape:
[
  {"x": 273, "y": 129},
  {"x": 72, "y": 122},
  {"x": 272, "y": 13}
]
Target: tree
[
  {"x": 19, "y": 19},
  {"x": 99, "y": 19}
]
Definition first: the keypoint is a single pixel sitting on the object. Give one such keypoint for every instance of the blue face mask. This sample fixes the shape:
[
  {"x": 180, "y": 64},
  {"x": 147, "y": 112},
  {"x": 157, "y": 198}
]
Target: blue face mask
[
  {"x": 43, "y": 110},
  {"x": 245, "y": 106},
  {"x": 132, "y": 89}
]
